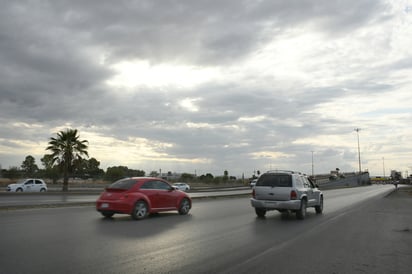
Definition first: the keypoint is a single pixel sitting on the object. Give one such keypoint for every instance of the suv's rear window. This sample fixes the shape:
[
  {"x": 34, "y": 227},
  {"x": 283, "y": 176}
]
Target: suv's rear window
[
  {"x": 122, "y": 184},
  {"x": 275, "y": 180}
]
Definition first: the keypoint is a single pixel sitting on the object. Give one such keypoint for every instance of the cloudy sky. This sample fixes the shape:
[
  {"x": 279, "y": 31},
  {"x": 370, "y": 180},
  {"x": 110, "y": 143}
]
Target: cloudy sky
[{"x": 206, "y": 86}]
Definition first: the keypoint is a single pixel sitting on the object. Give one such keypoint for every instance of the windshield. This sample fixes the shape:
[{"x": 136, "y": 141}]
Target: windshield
[
  {"x": 123, "y": 184},
  {"x": 275, "y": 180}
]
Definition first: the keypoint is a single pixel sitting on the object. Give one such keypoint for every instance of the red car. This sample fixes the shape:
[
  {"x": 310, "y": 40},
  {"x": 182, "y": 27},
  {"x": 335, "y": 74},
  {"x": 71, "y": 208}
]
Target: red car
[{"x": 140, "y": 196}]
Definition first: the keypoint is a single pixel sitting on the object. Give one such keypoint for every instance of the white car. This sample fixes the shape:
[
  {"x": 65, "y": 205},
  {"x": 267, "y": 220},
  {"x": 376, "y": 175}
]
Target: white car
[
  {"x": 286, "y": 191},
  {"x": 181, "y": 186},
  {"x": 28, "y": 185}
]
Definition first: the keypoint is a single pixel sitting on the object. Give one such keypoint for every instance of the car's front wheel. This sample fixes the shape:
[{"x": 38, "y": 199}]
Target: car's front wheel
[
  {"x": 19, "y": 190},
  {"x": 260, "y": 212},
  {"x": 301, "y": 213},
  {"x": 140, "y": 210},
  {"x": 319, "y": 208},
  {"x": 184, "y": 206}
]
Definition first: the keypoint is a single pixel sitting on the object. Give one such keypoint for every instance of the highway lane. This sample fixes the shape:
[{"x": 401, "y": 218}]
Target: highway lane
[{"x": 218, "y": 236}]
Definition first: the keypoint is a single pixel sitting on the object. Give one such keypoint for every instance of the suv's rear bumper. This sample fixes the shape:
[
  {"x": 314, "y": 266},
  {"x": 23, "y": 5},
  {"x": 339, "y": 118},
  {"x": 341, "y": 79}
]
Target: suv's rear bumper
[{"x": 268, "y": 204}]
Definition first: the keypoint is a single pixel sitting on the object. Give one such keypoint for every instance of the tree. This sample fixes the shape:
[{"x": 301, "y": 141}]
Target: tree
[
  {"x": 206, "y": 178},
  {"x": 12, "y": 173},
  {"x": 50, "y": 171},
  {"x": 67, "y": 148},
  {"x": 225, "y": 176},
  {"x": 29, "y": 166},
  {"x": 154, "y": 173},
  {"x": 87, "y": 168},
  {"x": 115, "y": 173},
  {"x": 118, "y": 172},
  {"x": 186, "y": 177},
  {"x": 93, "y": 169}
]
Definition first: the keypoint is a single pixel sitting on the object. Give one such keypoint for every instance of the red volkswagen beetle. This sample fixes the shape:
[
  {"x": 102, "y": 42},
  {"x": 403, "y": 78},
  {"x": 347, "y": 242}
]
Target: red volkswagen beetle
[{"x": 139, "y": 196}]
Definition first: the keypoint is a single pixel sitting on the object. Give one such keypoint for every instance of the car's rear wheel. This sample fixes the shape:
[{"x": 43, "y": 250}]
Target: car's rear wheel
[
  {"x": 184, "y": 206},
  {"x": 140, "y": 210},
  {"x": 43, "y": 190},
  {"x": 301, "y": 213},
  {"x": 260, "y": 212},
  {"x": 107, "y": 214},
  {"x": 319, "y": 208}
]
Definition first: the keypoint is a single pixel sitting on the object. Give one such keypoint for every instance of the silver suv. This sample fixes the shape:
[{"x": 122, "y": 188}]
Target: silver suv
[{"x": 286, "y": 191}]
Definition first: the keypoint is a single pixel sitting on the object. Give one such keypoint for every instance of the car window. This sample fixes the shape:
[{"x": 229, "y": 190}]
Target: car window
[
  {"x": 312, "y": 185},
  {"x": 37, "y": 182},
  {"x": 299, "y": 182},
  {"x": 148, "y": 185},
  {"x": 123, "y": 184},
  {"x": 29, "y": 182},
  {"x": 306, "y": 182},
  {"x": 277, "y": 180},
  {"x": 161, "y": 185}
]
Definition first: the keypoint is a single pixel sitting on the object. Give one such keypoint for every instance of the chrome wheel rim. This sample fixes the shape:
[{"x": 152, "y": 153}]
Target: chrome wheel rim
[
  {"x": 141, "y": 210},
  {"x": 185, "y": 206}
]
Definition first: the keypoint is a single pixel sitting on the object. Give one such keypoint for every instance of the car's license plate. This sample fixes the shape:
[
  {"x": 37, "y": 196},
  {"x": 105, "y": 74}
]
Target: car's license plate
[
  {"x": 104, "y": 205},
  {"x": 271, "y": 203}
]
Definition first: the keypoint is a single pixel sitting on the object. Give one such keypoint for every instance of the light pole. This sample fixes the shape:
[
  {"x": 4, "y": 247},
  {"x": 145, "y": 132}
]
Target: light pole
[
  {"x": 312, "y": 166},
  {"x": 357, "y": 132},
  {"x": 383, "y": 166}
]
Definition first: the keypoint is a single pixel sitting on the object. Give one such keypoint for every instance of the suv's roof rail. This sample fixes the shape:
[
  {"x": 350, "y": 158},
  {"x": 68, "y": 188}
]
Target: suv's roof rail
[{"x": 282, "y": 171}]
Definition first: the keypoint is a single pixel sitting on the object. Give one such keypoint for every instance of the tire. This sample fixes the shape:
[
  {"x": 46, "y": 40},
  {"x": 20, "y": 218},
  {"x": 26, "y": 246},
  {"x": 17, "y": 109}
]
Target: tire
[
  {"x": 184, "y": 206},
  {"x": 301, "y": 213},
  {"x": 43, "y": 190},
  {"x": 140, "y": 210},
  {"x": 19, "y": 190},
  {"x": 260, "y": 212},
  {"x": 107, "y": 214},
  {"x": 319, "y": 208}
]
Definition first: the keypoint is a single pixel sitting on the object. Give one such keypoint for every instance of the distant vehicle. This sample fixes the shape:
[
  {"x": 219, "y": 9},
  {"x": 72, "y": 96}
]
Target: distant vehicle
[
  {"x": 182, "y": 186},
  {"x": 286, "y": 191},
  {"x": 253, "y": 183},
  {"x": 333, "y": 177},
  {"x": 28, "y": 185},
  {"x": 141, "y": 196}
]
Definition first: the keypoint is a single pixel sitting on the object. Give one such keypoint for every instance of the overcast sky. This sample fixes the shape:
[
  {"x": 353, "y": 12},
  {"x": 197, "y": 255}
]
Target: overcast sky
[{"x": 207, "y": 86}]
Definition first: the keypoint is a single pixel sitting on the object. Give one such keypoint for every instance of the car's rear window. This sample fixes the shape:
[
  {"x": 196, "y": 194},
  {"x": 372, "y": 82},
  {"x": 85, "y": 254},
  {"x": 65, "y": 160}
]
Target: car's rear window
[
  {"x": 122, "y": 184},
  {"x": 275, "y": 180}
]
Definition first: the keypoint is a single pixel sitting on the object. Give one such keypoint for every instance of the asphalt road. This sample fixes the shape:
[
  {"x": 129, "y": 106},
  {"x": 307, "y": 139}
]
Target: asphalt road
[{"x": 368, "y": 235}]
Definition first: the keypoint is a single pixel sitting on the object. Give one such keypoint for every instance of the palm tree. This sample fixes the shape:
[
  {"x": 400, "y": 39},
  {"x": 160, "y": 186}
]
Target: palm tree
[{"x": 66, "y": 148}]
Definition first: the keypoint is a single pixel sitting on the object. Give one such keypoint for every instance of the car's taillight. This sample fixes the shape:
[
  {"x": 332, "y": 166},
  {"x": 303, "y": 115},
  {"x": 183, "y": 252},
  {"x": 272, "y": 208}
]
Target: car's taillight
[
  {"x": 293, "y": 195},
  {"x": 253, "y": 193}
]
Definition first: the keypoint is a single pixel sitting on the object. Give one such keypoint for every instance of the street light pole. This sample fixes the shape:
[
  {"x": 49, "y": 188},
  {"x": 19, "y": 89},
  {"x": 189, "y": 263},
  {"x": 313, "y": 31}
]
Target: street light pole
[
  {"x": 312, "y": 165},
  {"x": 357, "y": 132}
]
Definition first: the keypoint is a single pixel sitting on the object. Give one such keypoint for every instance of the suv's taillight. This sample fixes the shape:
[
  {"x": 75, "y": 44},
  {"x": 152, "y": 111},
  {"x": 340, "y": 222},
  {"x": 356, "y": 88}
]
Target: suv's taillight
[
  {"x": 253, "y": 193},
  {"x": 293, "y": 195}
]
